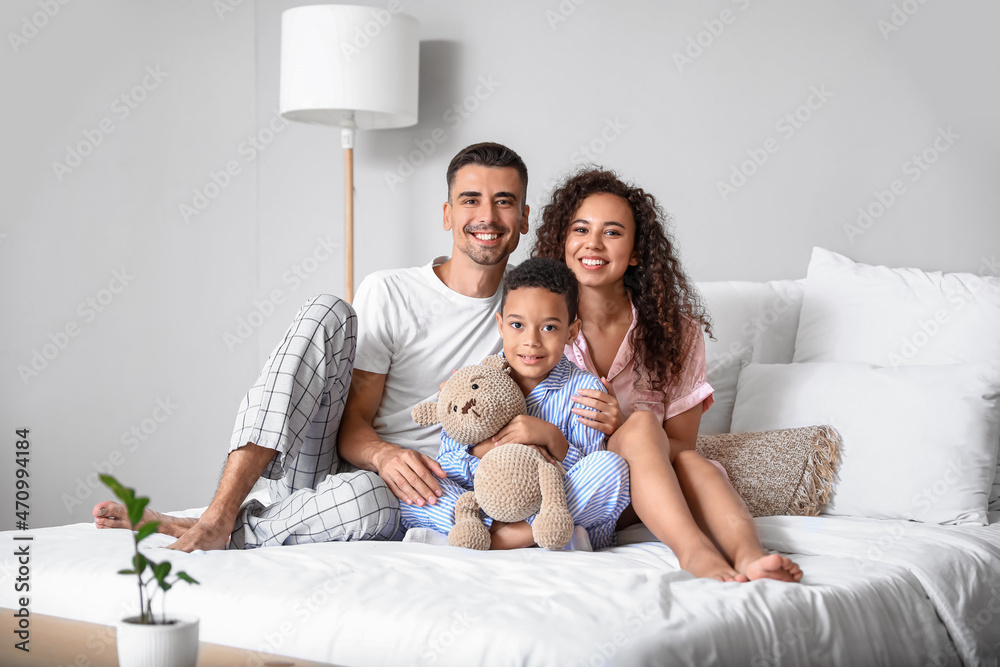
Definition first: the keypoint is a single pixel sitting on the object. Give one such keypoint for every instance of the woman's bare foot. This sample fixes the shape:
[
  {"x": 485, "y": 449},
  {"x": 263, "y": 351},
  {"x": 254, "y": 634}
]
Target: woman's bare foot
[
  {"x": 772, "y": 566},
  {"x": 110, "y": 514},
  {"x": 709, "y": 563}
]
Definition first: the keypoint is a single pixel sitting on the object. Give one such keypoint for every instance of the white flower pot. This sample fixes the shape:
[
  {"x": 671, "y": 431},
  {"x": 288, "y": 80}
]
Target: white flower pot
[{"x": 173, "y": 645}]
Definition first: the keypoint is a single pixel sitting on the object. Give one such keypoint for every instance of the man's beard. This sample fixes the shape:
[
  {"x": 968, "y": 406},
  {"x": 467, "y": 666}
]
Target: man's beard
[{"x": 486, "y": 256}]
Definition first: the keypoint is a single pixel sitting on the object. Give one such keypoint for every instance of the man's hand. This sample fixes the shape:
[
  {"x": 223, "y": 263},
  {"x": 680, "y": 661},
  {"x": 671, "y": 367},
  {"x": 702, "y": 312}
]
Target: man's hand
[
  {"x": 606, "y": 416},
  {"x": 534, "y": 431},
  {"x": 409, "y": 474}
]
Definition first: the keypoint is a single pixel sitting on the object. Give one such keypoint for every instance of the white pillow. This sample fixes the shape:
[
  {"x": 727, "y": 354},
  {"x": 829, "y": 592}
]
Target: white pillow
[
  {"x": 896, "y": 317},
  {"x": 723, "y": 374},
  {"x": 919, "y": 442},
  {"x": 751, "y": 321}
]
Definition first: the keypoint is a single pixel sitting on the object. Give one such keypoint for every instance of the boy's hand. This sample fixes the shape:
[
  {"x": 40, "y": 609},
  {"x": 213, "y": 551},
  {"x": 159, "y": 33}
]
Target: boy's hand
[
  {"x": 534, "y": 431},
  {"x": 480, "y": 450},
  {"x": 444, "y": 382},
  {"x": 606, "y": 416}
]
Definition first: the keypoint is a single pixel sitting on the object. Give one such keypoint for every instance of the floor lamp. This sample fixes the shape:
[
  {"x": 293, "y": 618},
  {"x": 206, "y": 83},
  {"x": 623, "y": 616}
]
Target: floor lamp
[{"x": 351, "y": 66}]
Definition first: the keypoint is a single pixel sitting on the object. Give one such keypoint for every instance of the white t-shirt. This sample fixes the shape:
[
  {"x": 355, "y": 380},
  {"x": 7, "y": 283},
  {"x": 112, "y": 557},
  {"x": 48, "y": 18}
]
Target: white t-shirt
[{"x": 415, "y": 330}]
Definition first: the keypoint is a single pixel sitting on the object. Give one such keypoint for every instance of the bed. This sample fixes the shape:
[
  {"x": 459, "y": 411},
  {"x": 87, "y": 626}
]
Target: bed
[{"x": 878, "y": 590}]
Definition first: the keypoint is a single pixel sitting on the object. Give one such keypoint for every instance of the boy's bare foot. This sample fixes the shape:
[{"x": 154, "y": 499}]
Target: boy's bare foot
[
  {"x": 709, "y": 563},
  {"x": 511, "y": 535},
  {"x": 110, "y": 514},
  {"x": 772, "y": 566}
]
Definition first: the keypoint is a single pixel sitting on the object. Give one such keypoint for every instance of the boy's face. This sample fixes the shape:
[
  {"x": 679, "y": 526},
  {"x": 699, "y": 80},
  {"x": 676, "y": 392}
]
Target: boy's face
[{"x": 535, "y": 328}]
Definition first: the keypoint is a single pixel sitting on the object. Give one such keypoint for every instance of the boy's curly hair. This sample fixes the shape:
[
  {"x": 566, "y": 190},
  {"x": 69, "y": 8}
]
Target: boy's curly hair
[
  {"x": 660, "y": 291},
  {"x": 546, "y": 273}
]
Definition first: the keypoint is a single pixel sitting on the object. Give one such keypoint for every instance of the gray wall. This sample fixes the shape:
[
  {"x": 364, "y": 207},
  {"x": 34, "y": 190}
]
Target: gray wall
[{"x": 163, "y": 353}]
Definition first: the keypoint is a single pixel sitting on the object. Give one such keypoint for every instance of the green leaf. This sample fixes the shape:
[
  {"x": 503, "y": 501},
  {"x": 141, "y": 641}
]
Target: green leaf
[
  {"x": 139, "y": 562},
  {"x": 147, "y": 530},
  {"x": 135, "y": 509},
  {"x": 160, "y": 571},
  {"x": 186, "y": 577},
  {"x": 126, "y": 571},
  {"x": 123, "y": 494}
]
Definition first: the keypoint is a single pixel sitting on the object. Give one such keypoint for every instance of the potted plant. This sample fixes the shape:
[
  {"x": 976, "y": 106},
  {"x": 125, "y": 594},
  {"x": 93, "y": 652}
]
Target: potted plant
[{"x": 148, "y": 640}]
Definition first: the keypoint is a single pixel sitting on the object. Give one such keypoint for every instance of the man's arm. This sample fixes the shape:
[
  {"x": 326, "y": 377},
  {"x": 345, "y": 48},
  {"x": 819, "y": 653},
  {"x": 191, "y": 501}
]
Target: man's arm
[
  {"x": 409, "y": 474},
  {"x": 243, "y": 467}
]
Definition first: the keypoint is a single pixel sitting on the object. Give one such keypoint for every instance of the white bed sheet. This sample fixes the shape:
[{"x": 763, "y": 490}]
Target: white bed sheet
[{"x": 875, "y": 592}]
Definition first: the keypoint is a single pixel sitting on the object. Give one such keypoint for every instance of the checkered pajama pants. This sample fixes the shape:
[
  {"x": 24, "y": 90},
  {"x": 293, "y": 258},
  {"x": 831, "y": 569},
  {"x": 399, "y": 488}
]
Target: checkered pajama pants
[{"x": 295, "y": 407}]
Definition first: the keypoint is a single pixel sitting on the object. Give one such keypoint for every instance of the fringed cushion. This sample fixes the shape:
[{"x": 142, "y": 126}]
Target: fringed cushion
[{"x": 788, "y": 471}]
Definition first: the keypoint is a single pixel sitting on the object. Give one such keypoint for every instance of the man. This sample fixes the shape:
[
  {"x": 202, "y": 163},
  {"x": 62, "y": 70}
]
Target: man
[{"x": 337, "y": 460}]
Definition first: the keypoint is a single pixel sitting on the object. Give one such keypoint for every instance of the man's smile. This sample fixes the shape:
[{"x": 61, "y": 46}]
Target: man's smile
[{"x": 486, "y": 236}]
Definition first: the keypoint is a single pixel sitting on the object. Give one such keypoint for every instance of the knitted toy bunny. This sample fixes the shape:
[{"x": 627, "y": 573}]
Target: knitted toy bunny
[{"x": 512, "y": 481}]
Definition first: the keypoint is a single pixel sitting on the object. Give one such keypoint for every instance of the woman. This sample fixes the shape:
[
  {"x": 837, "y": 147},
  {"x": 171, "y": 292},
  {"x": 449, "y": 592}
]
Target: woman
[{"x": 642, "y": 335}]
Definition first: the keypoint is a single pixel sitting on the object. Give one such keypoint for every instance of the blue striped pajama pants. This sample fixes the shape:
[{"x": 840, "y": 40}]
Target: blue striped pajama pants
[
  {"x": 597, "y": 492},
  {"x": 295, "y": 407}
]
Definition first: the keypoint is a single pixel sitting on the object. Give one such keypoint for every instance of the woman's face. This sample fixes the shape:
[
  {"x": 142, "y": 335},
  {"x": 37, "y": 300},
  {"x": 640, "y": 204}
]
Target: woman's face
[{"x": 601, "y": 240}]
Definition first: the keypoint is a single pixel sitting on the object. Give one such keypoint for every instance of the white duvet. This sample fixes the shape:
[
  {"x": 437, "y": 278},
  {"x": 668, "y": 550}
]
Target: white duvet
[{"x": 874, "y": 593}]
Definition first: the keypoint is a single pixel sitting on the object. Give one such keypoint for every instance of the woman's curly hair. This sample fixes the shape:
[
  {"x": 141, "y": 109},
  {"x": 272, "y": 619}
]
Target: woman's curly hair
[{"x": 661, "y": 293}]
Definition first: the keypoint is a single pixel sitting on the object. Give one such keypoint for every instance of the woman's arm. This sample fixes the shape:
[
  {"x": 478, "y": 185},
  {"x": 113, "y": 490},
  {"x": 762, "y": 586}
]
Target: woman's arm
[{"x": 682, "y": 430}]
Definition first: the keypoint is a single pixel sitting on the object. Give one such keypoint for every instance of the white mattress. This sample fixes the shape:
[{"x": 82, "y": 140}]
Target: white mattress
[{"x": 874, "y": 592}]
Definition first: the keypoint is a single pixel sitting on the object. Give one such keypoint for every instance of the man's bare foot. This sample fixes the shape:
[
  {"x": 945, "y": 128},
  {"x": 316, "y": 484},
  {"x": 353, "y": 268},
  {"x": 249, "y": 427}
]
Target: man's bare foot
[
  {"x": 773, "y": 566},
  {"x": 110, "y": 514},
  {"x": 205, "y": 535},
  {"x": 709, "y": 563}
]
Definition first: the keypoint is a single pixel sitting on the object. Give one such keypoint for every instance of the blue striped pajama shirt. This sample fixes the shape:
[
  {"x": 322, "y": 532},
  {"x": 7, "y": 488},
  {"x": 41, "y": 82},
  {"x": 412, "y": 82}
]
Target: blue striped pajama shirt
[{"x": 596, "y": 481}]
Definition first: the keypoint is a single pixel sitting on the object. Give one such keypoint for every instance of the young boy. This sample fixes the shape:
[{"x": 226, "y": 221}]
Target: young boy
[{"x": 537, "y": 318}]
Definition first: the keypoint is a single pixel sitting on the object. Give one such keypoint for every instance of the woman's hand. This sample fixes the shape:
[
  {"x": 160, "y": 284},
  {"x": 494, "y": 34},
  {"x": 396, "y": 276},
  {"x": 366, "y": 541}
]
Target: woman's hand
[{"x": 606, "y": 416}]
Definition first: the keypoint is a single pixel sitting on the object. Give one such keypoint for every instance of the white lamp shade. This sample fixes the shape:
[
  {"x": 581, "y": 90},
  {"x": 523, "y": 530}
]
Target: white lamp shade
[{"x": 344, "y": 61}]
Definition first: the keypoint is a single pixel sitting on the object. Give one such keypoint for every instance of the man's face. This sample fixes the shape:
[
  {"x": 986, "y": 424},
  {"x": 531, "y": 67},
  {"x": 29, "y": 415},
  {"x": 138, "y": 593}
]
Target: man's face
[{"x": 486, "y": 213}]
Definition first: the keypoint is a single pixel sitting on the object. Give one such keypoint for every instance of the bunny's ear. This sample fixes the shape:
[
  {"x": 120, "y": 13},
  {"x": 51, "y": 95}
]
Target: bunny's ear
[
  {"x": 425, "y": 414},
  {"x": 496, "y": 361}
]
